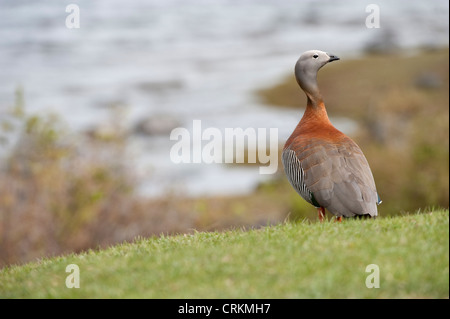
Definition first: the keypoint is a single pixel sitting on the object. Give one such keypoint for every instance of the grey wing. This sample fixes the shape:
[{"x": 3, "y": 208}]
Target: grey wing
[{"x": 340, "y": 178}]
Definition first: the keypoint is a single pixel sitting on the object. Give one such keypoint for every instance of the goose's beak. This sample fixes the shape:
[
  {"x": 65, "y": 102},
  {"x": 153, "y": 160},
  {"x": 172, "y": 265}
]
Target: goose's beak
[{"x": 333, "y": 57}]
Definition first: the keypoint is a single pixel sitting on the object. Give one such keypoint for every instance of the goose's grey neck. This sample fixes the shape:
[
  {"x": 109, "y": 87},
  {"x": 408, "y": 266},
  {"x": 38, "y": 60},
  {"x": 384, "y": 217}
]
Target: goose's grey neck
[{"x": 307, "y": 79}]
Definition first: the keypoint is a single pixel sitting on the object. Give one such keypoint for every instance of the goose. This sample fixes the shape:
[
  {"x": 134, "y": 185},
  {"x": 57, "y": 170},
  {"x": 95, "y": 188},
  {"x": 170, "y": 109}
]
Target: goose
[{"x": 326, "y": 167}]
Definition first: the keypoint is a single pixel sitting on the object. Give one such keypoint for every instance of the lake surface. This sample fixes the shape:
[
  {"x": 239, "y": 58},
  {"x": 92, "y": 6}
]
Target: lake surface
[{"x": 171, "y": 62}]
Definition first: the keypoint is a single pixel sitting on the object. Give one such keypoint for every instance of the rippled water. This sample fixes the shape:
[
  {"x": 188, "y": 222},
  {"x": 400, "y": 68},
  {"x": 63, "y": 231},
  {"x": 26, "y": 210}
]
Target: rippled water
[{"x": 175, "y": 61}]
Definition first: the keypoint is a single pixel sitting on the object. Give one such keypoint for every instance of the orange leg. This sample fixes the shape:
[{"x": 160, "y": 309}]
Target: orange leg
[
  {"x": 339, "y": 219},
  {"x": 321, "y": 211}
]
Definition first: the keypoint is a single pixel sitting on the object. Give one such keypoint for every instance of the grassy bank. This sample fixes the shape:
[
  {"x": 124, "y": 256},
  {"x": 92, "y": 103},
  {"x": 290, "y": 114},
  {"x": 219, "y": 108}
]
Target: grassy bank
[{"x": 291, "y": 260}]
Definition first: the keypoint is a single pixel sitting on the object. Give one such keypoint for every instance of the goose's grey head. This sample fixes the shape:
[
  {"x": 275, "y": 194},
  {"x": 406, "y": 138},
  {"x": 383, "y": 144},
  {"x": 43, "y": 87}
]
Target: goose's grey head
[{"x": 307, "y": 67}]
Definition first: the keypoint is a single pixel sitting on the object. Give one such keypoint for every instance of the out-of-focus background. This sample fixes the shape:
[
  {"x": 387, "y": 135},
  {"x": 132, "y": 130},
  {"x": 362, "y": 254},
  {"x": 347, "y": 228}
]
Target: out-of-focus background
[{"x": 86, "y": 114}]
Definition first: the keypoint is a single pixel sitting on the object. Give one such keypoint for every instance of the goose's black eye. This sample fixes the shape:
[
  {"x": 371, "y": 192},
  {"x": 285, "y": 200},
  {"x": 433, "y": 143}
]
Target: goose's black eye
[{"x": 315, "y": 56}]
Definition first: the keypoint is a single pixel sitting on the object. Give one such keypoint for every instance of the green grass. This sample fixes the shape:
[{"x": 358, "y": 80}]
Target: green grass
[{"x": 291, "y": 260}]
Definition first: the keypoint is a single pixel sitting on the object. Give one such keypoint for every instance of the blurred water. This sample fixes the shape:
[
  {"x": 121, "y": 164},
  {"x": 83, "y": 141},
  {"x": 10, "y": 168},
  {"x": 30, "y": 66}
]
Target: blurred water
[{"x": 186, "y": 60}]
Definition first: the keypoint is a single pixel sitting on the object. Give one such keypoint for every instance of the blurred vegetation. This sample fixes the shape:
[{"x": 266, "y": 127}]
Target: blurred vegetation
[
  {"x": 401, "y": 103},
  {"x": 61, "y": 192}
]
